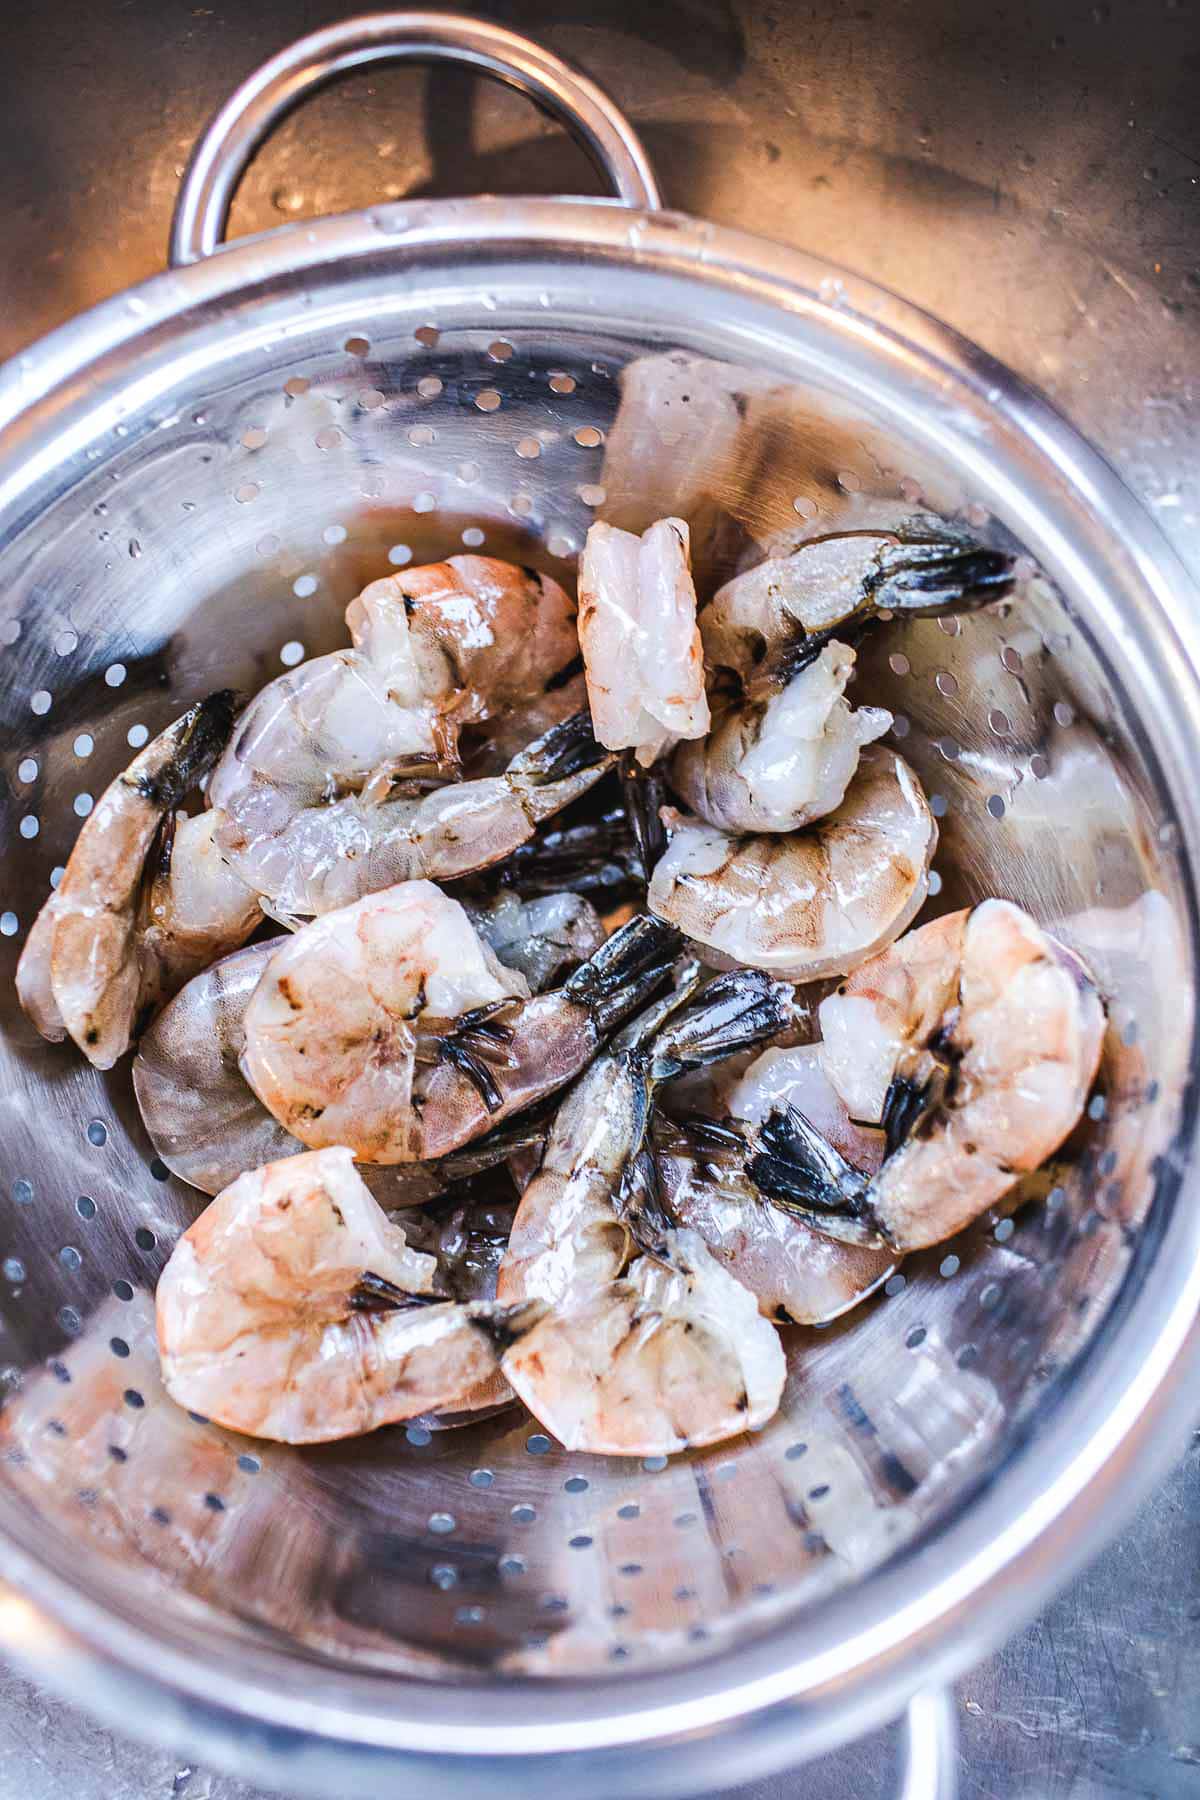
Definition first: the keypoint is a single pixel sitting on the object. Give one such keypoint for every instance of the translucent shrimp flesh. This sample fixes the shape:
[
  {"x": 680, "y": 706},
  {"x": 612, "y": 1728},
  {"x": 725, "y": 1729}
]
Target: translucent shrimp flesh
[
  {"x": 782, "y": 754},
  {"x": 389, "y": 1026},
  {"x": 810, "y": 903},
  {"x": 649, "y": 1344},
  {"x": 544, "y": 938},
  {"x": 325, "y": 856},
  {"x": 294, "y": 1310},
  {"x": 981, "y": 1089},
  {"x": 144, "y": 900},
  {"x": 641, "y": 648}
]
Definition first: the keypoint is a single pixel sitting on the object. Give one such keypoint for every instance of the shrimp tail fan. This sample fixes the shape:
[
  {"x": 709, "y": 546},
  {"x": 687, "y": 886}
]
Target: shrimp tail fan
[
  {"x": 562, "y": 751},
  {"x": 504, "y": 1326},
  {"x": 732, "y": 1013},
  {"x": 799, "y": 1171},
  {"x": 919, "y": 576},
  {"x": 200, "y": 737},
  {"x": 624, "y": 971}
]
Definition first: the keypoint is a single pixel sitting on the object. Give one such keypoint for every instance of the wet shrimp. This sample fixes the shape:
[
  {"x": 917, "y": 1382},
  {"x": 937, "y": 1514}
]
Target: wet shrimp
[
  {"x": 783, "y": 753},
  {"x": 641, "y": 648},
  {"x": 389, "y": 1026},
  {"x": 649, "y": 1345},
  {"x": 990, "y": 1036},
  {"x": 794, "y": 1270},
  {"x": 326, "y": 856},
  {"x": 294, "y": 1310},
  {"x": 431, "y": 649},
  {"x": 810, "y": 903},
  {"x": 145, "y": 899},
  {"x": 923, "y": 567},
  {"x": 206, "y": 1122}
]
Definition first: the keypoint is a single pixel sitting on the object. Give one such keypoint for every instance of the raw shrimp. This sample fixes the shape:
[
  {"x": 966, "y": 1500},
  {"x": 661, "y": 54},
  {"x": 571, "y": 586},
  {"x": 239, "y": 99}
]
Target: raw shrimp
[
  {"x": 784, "y": 753},
  {"x": 431, "y": 649},
  {"x": 144, "y": 900},
  {"x": 980, "y": 1092},
  {"x": 390, "y": 1027},
  {"x": 672, "y": 1355},
  {"x": 544, "y": 938},
  {"x": 597, "y": 856},
  {"x": 918, "y": 569},
  {"x": 641, "y": 648},
  {"x": 292, "y": 1309},
  {"x": 809, "y": 903},
  {"x": 794, "y": 1270},
  {"x": 207, "y": 1123},
  {"x": 326, "y": 856},
  {"x": 650, "y": 1345}
]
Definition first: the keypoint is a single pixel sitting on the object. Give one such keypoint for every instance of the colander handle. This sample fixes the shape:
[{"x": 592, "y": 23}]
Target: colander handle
[
  {"x": 929, "y": 1748},
  {"x": 223, "y": 153}
]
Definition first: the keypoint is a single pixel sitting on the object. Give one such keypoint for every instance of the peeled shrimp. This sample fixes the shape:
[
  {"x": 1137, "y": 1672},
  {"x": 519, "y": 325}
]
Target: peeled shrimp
[
  {"x": 207, "y": 1123},
  {"x": 981, "y": 1089},
  {"x": 431, "y": 649},
  {"x": 389, "y": 1026},
  {"x": 144, "y": 900},
  {"x": 292, "y": 1309},
  {"x": 672, "y": 1355},
  {"x": 641, "y": 648},
  {"x": 810, "y": 903},
  {"x": 649, "y": 1345},
  {"x": 326, "y": 856},
  {"x": 920, "y": 568},
  {"x": 783, "y": 754}
]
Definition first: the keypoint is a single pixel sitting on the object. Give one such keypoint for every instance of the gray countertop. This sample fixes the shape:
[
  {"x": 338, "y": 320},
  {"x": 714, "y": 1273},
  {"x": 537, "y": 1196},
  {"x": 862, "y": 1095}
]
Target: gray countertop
[{"x": 1030, "y": 173}]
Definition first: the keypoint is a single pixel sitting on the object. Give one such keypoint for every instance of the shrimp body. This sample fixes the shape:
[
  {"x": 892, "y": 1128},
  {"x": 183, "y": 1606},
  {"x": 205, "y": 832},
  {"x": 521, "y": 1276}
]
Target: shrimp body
[
  {"x": 207, "y": 1123},
  {"x": 980, "y": 1094},
  {"x": 327, "y": 856},
  {"x": 293, "y": 1310},
  {"x": 672, "y": 1355},
  {"x": 123, "y": 926},
  {"x": 432, "y": 649},
  {"x": 640, "y": 1352},
  {"x": 782, "y": 755},
  {"x": 391, "y": 1027},
  {"x": 924, "y": 566},
  {"x": 637, "y": 630},
  {"x": 810, "y": 903}
]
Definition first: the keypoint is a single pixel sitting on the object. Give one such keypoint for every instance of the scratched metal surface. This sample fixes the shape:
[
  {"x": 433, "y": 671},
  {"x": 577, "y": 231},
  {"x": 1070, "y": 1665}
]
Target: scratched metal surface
[{"x": 1033, "y": 175}]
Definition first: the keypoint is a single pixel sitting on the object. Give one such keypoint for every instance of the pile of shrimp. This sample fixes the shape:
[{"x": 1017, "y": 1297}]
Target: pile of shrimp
[{"x": 468, "y": 969}]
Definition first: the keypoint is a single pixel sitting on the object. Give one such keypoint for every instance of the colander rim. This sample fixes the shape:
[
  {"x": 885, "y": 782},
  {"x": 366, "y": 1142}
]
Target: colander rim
[{"x": 986, "y": 1572}]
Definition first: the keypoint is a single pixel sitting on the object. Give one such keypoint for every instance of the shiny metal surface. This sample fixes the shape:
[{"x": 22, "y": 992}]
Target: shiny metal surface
[
  {"x": 1037, "y": 706},
  {"x": 221, "y": 156}
]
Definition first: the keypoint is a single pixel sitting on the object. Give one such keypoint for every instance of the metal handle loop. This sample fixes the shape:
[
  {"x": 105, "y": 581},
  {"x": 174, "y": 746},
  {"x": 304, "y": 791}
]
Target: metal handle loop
[
  {"x": 929, "y": 1748},
  {"x": 222, "y": 154}
]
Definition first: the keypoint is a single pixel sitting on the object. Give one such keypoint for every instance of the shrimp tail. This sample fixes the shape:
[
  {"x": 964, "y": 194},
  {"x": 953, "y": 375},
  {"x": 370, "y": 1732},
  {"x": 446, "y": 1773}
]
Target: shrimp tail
[
  {"x": 562, "y": 751},
  {"x": 624, "y": 971},
  {"x": 641, "y": 1205},
  {"x": 910, "y": 1103},
  {"x": 799, "y": 1171},
  {"x": 202, "y": 736},
  {"x": 503, "y": 1326},
  {"x": 596, "y": 856},
  {"x": 732, "y": 1013},
  {"x": 643, "y": 793},
  {"x": 922, "y": 576}
]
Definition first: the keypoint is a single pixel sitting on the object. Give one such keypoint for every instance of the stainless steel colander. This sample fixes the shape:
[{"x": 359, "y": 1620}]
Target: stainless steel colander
[{"x": 194, "y": 479}]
